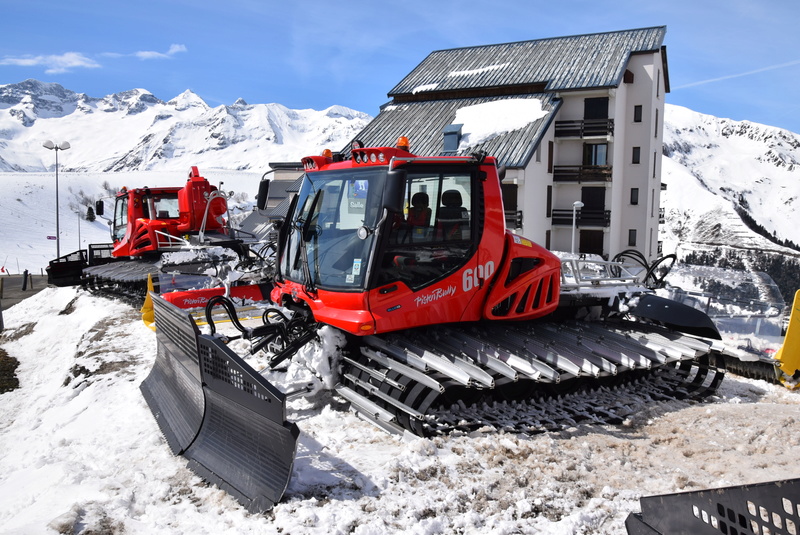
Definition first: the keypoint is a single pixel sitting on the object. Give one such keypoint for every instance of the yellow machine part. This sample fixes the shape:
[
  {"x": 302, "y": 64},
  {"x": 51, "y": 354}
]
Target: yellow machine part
[
  {"x": 789, "y": 354},
  {"x": 148, "y": 315}
]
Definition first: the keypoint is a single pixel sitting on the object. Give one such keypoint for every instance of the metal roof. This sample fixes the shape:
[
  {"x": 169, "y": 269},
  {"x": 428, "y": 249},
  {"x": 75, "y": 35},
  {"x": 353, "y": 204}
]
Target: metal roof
[
  {"x": 559, "y": 63},
  {"x": 423, "y": 123}
]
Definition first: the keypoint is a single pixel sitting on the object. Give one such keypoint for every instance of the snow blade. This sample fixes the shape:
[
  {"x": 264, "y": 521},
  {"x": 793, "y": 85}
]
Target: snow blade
[
  {"x": 758, "y": 508},
  {"x": 218, "y": 412},
  {"x": 678, "y": 316}
]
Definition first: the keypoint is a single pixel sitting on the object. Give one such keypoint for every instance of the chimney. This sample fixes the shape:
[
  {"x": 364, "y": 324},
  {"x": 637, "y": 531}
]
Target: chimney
[{"x": 452, "y": 137}]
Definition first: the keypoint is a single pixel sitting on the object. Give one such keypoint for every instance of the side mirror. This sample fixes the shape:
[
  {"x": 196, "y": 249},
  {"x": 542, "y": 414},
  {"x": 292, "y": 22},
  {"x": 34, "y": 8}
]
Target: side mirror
[
  {"x": 263, "y": 194},
  {"x": 99, "y": 207},
  {"x": 393, "y": 194}
]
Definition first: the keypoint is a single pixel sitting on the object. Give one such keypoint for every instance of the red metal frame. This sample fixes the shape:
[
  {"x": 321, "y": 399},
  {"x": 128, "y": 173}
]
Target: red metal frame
[
  {"x": 149, "y": 235},
  {"x": 492, "y": 285}
]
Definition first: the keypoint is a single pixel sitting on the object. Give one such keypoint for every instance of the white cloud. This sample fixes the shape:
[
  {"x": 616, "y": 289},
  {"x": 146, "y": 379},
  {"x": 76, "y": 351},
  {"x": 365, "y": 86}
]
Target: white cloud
[
  {"x": 57, "y": 64},
  {"x": 150, "y": 54},
  {"x": 54, "y": 64},
  {"x": 174, "y": 49}
]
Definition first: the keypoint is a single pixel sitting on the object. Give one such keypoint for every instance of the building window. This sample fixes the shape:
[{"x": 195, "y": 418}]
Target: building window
[
  {"x": 550, "y": 156},
  {"x": 627, "y": 77},
  {"x": 538, "y": 153},
  {"x": 655, "y": 161},
  {"x": 658, "y": 84},
  {"x": 652, "y": 202},
  {"x": 549, "y": 207},
  {"x": 637, "y": 113},
  {"x": 595, "y": 154},
  {"x": 655, "y": 132},
  {"x": 637, "y": 155},
  {"x": 595, "y": 108},
  {"x": 632, "y": 237},
  {"x": 634, "y": 195}
]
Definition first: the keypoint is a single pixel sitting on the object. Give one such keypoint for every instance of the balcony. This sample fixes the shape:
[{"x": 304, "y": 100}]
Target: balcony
[
  {"x": 583, "y": 218},
  {"x": 662, "y": 216},
  {"x": 581, "y": 173},
  {"x": 585, "y": 128},
  {"x": 513, "y": 219}
]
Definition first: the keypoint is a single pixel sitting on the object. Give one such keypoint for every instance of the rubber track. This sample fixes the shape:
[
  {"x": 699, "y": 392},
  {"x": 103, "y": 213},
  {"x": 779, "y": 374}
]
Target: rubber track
[
  {"x": 126, "y": 280},
  {"x": 384, "y": 383}
]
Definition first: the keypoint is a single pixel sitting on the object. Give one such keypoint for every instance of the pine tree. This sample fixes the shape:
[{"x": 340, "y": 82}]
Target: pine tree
[{"x": 90, "y": 214}]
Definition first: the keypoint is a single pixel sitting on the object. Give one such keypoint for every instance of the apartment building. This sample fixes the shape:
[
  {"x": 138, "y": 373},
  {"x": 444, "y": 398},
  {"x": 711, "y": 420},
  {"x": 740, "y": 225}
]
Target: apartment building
[{"x": 577, "y": 121}]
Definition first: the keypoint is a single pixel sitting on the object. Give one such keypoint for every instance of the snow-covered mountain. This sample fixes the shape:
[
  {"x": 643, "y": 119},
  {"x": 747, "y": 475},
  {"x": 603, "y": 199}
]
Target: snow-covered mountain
[
  {"x": 739, "y": 168},
  {"x": 733, "y": 187},
  {"x": 135, "y": 131},
  {"x": 733, "y": 195}
]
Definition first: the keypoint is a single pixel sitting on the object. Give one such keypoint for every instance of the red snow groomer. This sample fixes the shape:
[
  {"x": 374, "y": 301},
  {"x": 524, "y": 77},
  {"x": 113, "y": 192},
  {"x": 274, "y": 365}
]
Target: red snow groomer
[
  {"x": 150, "y": 221},
  {"x": 445, "y": 311},
  {"x": 146, "y": 223}
]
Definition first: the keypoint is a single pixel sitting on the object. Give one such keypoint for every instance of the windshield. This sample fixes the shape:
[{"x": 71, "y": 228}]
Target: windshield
[
  {"x": 162, "y": 206},
  {"x": 331, "y": 207}
]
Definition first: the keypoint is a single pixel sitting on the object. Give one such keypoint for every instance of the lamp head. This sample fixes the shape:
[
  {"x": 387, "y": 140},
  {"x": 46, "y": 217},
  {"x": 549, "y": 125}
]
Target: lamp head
[{"x": 64, "y": 145}]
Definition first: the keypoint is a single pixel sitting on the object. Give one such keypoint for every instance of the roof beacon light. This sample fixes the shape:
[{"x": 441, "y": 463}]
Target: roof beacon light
[
  {"x": 327, "y": 153},
  {"x": 403, "y": 144}
]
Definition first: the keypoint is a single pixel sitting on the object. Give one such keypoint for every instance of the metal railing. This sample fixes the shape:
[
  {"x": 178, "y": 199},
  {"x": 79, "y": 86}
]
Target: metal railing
[
  {"x": 167, "y": 241},
  {"x": 583, "y": 217},
  {"x": 582, "y": 273},
  {"x": 585, "y": 128},
  {"x": 513, "y": 219},
  {"x": 581, "y": 173}
]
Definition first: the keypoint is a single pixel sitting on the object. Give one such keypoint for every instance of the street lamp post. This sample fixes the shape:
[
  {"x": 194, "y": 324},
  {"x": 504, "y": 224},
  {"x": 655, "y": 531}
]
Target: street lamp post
[
  {"x": 575, "y": 207},
  {"x": 64, "y": 145}
]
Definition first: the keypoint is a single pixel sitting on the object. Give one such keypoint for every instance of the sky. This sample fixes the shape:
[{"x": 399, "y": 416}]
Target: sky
[{"x": 734, "y": 59}]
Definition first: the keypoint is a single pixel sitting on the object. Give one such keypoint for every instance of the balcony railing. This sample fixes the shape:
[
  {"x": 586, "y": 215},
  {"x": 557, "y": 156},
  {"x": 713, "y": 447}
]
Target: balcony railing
[
  {"x": 585, "y": 128},
  {"x": 581, "y": 173},
  {"x": 583, "y": 218},
  {"x": 662, "y": 216},
  {"x": 513, "y": 219}
]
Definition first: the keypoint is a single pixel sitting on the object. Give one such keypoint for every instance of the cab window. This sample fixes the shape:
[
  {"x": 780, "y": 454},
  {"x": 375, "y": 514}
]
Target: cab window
[
  {"x": 120, "y": 218},
  {"x": 434, "y": 235}
]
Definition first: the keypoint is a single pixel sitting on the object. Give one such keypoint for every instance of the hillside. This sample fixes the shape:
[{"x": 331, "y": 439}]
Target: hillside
[{"x": 733, "y": 194}]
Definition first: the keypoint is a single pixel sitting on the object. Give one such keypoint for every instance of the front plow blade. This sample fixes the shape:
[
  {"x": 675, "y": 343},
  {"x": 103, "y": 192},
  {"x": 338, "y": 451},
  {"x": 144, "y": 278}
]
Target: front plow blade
[{"x": 218, "y": 412}]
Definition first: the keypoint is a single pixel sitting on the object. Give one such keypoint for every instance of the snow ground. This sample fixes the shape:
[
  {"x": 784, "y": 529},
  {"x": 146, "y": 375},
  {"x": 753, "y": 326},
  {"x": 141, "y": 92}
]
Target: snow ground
[{"x": 83, "y": 454}]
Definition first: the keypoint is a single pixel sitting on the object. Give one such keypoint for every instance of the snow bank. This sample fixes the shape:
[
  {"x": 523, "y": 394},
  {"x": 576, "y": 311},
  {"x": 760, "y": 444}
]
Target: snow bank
[{"x": 82, "y": 453}]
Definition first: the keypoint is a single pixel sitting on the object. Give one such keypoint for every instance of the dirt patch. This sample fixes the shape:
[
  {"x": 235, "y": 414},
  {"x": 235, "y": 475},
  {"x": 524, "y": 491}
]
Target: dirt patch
[
  {"x": 8, "y": 376},
  {"x": 69, "y": 309},
  {"x": 11, "y": 335}
]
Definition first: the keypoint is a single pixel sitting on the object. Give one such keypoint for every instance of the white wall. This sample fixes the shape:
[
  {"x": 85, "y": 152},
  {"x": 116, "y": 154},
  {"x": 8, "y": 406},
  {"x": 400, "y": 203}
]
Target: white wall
[{"x": 646, "y": 90}]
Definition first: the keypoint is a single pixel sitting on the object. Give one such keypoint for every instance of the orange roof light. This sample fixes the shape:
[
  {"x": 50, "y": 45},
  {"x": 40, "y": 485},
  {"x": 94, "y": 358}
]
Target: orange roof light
[
  {"x": 327, "y": 153},
  {"x": 402, "y": 143}
]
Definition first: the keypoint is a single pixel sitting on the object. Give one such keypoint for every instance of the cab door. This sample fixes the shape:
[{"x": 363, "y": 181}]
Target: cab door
[{"x": 428, "y": 252}]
